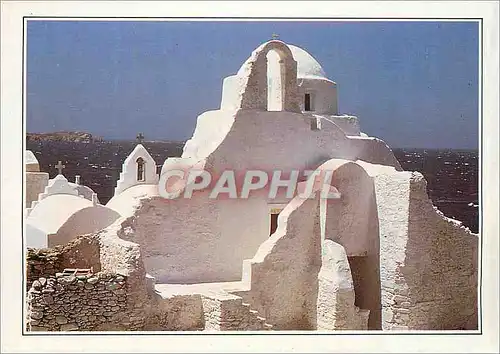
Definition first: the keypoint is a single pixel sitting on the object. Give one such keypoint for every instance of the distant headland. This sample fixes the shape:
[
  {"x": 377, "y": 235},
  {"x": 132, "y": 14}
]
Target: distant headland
[{"x": 64, "y": 136}]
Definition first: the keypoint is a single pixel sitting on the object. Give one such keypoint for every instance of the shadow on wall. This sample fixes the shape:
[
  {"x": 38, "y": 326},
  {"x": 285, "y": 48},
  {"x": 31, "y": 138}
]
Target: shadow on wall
[{"x": 352, "y": 222}]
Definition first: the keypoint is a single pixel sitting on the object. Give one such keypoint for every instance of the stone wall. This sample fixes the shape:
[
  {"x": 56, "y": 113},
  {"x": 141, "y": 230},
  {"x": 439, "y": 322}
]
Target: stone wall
[
  {"x": 176, "y": 313},
  {"x": 82, "y": 252},
  {"x": 115, "y": 298},
  {"x": 85, "y": 303}
]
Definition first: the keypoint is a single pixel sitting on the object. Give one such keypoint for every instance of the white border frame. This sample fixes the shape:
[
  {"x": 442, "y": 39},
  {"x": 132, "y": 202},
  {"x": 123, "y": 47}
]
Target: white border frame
[{"x": 12, "y": 145}]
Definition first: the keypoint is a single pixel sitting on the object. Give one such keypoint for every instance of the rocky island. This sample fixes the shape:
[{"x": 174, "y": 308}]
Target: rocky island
[{"x": 77, "y": 137}]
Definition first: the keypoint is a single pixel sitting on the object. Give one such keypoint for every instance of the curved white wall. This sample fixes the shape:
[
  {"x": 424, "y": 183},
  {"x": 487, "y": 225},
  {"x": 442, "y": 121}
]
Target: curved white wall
[
  {"x": 230, "y": 92},
  {"x": 85, "y": 221}
]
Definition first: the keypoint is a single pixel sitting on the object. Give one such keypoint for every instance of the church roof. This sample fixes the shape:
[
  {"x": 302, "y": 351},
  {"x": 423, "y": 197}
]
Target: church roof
[
  {"x": 53, "y": 211},
  {"x": 307, "y": 66}
]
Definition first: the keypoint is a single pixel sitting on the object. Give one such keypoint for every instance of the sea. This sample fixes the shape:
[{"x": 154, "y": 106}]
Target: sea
[{"x": 452, "y": 175}]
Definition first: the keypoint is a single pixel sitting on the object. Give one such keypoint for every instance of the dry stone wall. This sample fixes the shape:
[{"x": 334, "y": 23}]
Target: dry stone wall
[
  {"x": 85, "y": 303},
  {"x": 176, "y": 313}
]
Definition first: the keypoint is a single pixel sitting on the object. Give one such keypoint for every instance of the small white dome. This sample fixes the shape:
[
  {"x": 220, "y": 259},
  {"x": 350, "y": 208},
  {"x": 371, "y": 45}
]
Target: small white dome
[{"x": 307, "y": 66}]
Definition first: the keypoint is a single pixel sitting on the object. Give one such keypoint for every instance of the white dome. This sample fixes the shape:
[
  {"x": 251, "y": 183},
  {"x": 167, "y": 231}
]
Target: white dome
[
  {"x": 52, "y": 212},
  {"x": 307, "y": 66}
]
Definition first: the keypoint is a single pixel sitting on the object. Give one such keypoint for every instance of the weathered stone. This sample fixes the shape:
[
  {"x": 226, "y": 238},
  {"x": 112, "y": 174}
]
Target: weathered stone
[
  {"x": 111, "y": 286},
  {"x": 403, "y": 291},
  {"x": 399, "y": 299},
  {"x": 61, "y": 320},
  {"x": 69, "y": 327},
  {"x": 37, "y": 329},
  {"x": 36, "y": 315},
  {"x": 48, "y": 299},
  {"x": 403, "y": 310},
  {"x": 36, "y": 285},
  {"x": 92, "y": 280}
]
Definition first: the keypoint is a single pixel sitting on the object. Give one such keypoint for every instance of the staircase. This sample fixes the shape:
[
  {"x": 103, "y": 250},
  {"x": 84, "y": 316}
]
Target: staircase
[{"x": 227, "y": 312}]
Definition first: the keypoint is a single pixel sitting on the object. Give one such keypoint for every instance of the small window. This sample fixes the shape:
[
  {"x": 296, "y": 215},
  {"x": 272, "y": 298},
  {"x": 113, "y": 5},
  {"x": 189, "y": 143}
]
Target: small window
[
  {"x": 307, "y": 102},
  {"x": 140, "y": 169}
]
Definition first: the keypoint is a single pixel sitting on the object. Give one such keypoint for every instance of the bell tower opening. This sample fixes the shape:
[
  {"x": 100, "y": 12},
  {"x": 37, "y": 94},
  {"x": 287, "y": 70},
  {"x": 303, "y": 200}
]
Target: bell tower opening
[
  {"x": 140, "y": 169},
  {"x": 275, "y": 81}
]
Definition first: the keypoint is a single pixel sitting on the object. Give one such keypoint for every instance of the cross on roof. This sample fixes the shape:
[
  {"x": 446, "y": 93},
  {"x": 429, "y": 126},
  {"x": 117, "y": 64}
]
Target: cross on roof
[
  {"x": 275, "y": 36},
  {"x": 140, "y": 138},
  {"x": 60, "y": 167}
]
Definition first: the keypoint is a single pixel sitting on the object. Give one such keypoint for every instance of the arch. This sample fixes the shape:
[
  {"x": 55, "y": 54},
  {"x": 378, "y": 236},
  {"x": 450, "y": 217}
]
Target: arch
[
  {"x": 254, "y": 93},
  {"x": 353, "y": 224},
  {"x": 141, "y": 169}
]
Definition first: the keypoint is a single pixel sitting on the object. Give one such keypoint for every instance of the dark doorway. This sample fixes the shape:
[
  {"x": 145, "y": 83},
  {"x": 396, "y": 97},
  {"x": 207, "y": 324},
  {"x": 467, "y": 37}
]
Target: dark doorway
[
  {"x": 274, "y": 223},
  {"x": 307, "y": 102}
]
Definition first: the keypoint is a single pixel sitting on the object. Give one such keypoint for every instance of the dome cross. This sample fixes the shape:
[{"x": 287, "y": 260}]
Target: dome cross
[{"x": 59, "y": 167}]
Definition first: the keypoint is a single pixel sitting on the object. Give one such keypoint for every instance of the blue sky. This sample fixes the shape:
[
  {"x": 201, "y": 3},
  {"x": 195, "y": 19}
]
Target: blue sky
[{"x": 412, "y": 84}]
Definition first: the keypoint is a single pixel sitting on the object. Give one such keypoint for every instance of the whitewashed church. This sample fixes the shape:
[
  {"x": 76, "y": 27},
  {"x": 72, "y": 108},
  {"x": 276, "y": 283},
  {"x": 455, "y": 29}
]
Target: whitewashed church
[{"x": 378, "y": 256}]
